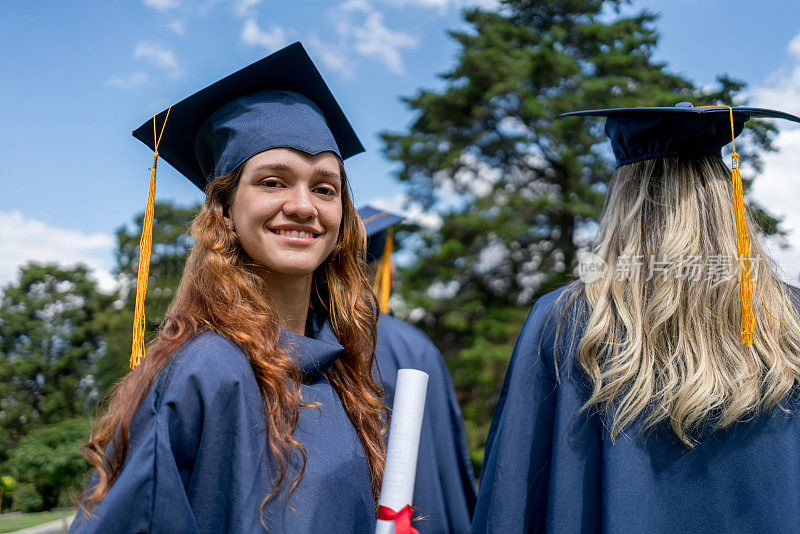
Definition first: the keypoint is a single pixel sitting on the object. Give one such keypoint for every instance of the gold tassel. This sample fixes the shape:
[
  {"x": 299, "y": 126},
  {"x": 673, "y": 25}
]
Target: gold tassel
[
  {"x": 748, "y": 325},
  {"x": 743, "y": 250},
  {"x": 145, "y": 247},
  {"x": 382, "y": 287}
]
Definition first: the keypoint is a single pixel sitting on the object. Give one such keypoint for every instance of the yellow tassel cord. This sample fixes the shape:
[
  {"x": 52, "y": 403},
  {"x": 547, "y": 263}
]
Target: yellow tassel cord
[
  {"x": 743, "y": 250},
  {"x": 145, "y": 246},
  {"x": 748, "y": 326},
  {"x": 382, "y": 287}
]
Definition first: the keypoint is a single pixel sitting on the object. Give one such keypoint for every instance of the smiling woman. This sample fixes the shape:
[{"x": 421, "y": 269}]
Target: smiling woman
[{"x": 255, "y": 406}]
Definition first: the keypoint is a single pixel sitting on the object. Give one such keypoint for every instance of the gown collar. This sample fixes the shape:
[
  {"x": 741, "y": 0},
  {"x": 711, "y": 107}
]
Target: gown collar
[{"x": 317, "y": 351}]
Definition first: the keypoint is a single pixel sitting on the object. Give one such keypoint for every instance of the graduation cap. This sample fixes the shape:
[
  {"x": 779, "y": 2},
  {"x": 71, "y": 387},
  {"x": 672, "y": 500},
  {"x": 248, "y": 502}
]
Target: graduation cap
[
  {"x": 638, "y": 134},
  {"x": 280, "y": 101},
  {"x": 380, "y": 243},
  {"x": 643, "y": 133}
]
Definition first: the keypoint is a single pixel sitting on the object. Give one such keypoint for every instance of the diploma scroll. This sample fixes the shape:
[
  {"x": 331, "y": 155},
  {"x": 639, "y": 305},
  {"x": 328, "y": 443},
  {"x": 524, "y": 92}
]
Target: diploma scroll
[{"x": 397, "y": 489}]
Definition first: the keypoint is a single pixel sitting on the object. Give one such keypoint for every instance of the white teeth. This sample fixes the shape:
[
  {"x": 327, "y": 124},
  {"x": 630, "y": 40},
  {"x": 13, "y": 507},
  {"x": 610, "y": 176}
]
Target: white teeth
[{"x": 294, "y": 233}]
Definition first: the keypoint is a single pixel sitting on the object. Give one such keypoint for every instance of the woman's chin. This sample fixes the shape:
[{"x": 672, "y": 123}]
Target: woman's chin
[{"x": 291, "y": 269}]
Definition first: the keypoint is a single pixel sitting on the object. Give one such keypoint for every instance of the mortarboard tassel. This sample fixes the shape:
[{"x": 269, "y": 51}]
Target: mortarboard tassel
[
  {"x": 382, "y": 287},
  {"x": 145, "y": 247},
  {"x": 748, "y": 326},
  {"x": 743, "y": 250}
]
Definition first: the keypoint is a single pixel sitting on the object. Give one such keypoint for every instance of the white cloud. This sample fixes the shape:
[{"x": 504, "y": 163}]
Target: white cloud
[
  {"x": 332, "y": 56},
  {"x": 131, "y": 81},
  {"x": 162, "y": 5},
  {"x": 360, "y": 28},
  {"x": 157, "y": 55},
  {"x": 374, "y": 39},
  {"x": 777, "y": 186},
  {"x": 23, "y": 240},
  {"x": 356, "y": 5},
  {"x": 177, "y": 26},
  {"x": 244, "y": 8},
  {"x": 270, "y": 40},
  {"x": 782, "y": 88}
]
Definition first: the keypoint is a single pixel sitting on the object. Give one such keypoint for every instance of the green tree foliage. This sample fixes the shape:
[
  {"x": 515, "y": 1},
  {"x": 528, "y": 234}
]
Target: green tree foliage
[
  {"x": 521, "y": 189},
  {"x": 171, "y": 242},
  {"x": 63, "y": 343},
  {"x": 49, "y": 459},
  {"x": 51, "y": 335},
  {"x": 27, "y": 499}
]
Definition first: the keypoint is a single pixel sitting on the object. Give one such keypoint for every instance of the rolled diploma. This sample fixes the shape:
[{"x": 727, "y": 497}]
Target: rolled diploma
[{"x": 400, "y": 471}]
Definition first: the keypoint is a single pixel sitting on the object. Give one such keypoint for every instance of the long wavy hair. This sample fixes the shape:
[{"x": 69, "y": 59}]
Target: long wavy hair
[
  {"x": 666, "y": 346},
  {"x": 221, "y": 292}
]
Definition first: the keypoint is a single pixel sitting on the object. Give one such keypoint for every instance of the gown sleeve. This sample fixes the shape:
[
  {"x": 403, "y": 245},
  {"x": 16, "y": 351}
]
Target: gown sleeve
[
  {"x": 444, "y": 489},
  {"x": 514, "y": 481},
  {"x": 445, "y": 482},
  {"x": 187, "y": 441}
]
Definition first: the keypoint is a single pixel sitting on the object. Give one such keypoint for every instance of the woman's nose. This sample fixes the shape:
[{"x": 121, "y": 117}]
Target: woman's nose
[{"x": 300, "y": 203}]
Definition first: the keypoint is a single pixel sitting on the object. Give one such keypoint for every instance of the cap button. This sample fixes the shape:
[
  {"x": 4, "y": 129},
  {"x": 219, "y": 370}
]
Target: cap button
[{"x": 683, "y": 105}]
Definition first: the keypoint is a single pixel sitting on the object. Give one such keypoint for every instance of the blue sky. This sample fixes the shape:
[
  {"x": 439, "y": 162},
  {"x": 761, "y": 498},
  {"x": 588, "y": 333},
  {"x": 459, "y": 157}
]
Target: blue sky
[{"x": 79, "y": 76}]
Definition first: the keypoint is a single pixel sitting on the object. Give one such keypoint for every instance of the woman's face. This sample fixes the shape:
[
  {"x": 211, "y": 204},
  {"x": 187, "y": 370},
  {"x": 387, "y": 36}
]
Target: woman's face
[{"x": 287, "y": 209}]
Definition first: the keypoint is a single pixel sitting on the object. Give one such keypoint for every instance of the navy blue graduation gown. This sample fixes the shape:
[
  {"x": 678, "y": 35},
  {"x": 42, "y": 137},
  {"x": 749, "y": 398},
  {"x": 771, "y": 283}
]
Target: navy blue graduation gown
[
  {"x": 551, "y": 468},
  {"x": 199, "y": 461},
  {"x": 444, "y": 491}
]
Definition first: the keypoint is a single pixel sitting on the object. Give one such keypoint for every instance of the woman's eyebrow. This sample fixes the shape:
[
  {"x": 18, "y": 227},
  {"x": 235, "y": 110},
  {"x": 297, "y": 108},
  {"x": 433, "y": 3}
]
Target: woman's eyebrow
[
  {"x": 325, "y": 173},
  {"x": 273, "y": 167}
]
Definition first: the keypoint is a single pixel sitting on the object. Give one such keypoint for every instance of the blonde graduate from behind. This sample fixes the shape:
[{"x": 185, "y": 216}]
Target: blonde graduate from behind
[{"x": 661, "y": 395}]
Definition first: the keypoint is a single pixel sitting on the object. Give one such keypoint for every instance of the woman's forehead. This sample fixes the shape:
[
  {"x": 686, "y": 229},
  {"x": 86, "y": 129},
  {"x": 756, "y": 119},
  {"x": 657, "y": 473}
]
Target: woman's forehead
[{"x": 290, "y": 160}]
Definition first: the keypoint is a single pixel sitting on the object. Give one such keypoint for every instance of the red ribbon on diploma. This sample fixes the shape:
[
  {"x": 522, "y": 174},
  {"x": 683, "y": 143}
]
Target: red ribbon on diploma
[{"x": 402, "y": 519}]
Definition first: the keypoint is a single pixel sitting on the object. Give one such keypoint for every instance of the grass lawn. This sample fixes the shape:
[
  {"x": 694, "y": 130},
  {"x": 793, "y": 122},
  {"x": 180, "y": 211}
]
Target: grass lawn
[{"x": 18, "y": 522}]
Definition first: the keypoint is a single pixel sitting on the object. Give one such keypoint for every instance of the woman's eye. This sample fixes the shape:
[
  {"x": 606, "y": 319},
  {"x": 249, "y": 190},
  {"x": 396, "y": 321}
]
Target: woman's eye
[
  {"x": 271, "y": 183},
  {"x": 326, "y": 190}
]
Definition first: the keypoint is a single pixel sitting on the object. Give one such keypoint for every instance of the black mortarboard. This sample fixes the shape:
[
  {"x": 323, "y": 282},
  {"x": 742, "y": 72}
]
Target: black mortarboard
[
  {"x": 643, "y": 133},
  {"x": 377, "y": 223},
  {"x": 278, "y": 101}
]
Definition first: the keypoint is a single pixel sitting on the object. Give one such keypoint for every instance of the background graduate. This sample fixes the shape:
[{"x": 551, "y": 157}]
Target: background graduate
[
  {"x": 255, "y": 406},
  {"x": 652, "y": 396},
  {"x": 444, "y": 491}
]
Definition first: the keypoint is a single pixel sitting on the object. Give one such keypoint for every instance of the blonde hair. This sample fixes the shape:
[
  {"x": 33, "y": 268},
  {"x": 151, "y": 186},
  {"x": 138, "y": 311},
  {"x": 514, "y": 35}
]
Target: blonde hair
[{"x": 664, "y": 346}]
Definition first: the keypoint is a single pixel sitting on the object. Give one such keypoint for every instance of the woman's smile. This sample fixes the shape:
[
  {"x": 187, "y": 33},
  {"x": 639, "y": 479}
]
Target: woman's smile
[{"x": 296, "y": 235}]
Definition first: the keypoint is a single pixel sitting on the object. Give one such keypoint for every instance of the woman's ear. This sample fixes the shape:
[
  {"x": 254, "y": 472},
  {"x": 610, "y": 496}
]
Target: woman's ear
[{"x": 227, "y": 219}]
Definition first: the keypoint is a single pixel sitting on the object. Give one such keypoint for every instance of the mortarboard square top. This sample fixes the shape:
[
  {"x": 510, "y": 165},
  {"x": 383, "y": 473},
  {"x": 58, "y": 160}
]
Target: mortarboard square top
[
  {"x": 377, "y": 222},
  {"x": 642, "y": 133},
  {"x": 278, "y": 101}
]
